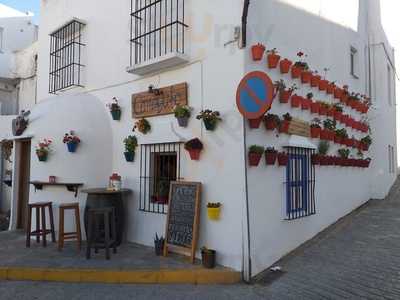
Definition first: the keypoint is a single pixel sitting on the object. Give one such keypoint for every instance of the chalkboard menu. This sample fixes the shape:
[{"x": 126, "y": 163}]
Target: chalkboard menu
[{"x": 183, "y": 217}]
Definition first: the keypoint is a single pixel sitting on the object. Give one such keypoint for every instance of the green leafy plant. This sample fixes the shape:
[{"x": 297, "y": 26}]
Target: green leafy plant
[
  {"x": 310, "y": 96},
  {"x": 182, "y": 111},
  {"x": 315, "y": 123},
  {"x": 214, "y": 205},
  {"x": 287, "y": 117},
  {"x": 330, "y": 124},
  {"x": 366, "y": 140},
  {"x": 256, "y": 149},
  {"x": 344, "y": 153},
  {"x": 323, "y": 147},
  {"x": 209, "y": 115},
  {"x": 338, "y": 107},
  {"x": 341, "y": 133},
  {"x": 142, "y": 125},
  {"x": 271, "y": 150},
  {"x": 130, "y": 143}
]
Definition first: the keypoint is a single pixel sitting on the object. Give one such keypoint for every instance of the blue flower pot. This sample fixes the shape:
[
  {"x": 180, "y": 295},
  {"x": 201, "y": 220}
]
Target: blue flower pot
[{"x": 72, "y": 147}]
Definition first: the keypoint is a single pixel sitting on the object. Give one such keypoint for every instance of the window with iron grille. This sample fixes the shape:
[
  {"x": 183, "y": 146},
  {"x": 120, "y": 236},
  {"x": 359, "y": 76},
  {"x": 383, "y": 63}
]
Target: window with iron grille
[
  {"x": 159, "y": 165},
  {"x": 300, "y": 184},
  {"x": 65, "y": 57},
  {"x": 157, "y": 29}
]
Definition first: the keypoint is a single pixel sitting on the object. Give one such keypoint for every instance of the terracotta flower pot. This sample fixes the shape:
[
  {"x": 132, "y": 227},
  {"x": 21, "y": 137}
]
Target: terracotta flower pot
[
  {"x": 324, "y": 134},
  {"x": 284, "y": 126},
  {"x": 323, "y": 160},
  {"x": 338, "y": 93},
  {"x": 254, "y": 159},
  {"x": 323, "y": 111},
  {"x": 364, "y": 147},
  {"x": 348, "y": 142},
  {"x": 337, "y": 115},
  {"x": 273, "y": 60},
  {"x": 296, "y": 72},
  {"x": 338, "y": 139},
  {"x": 349, "y": 122},
  {"x": 315, "y": 132},
  {"x": 331, "y": 135},
  {"x": 296, "y": 100},
  {"x": 283, "y": 159},
  {"x": 270, "y": 157},
  {"x": 315, "y": 159},
  {"x": 284, "y": 96},
  {"x": 305, "y": 103},
  {"x": 344, "y": 98},
  {"x": 194, "y": 154},
  {"x": 270, "y": 124},
  {"x": 331, "y": 112},
  {"x": 315, "y": 79},
  {"x": 315, "y": 107},
  {"x": 255, "y": 123},
  {"x": 306, "y": 76},
  {"x": 323, "y": 85},
  {"x": 330, "y": 88},
  {"x": 257, "y": 52},
  {"x": 285, "y": 65}
]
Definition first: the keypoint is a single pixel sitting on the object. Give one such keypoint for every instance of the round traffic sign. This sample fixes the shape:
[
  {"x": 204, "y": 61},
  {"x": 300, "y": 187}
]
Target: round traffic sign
[{"x": 254, "y": 95}]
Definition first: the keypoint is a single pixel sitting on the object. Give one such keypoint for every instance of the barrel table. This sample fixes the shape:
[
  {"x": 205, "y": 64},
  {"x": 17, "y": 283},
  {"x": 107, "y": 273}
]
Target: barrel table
[{"x": 100, "y": 198}]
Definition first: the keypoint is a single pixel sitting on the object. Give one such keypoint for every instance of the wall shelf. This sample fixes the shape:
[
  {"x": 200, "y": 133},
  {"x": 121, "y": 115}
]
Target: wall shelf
[{"x": 71, "y": 187}]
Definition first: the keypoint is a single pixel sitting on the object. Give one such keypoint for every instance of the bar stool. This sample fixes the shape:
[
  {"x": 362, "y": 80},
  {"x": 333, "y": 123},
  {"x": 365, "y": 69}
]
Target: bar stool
[
  {"x": 40, "y": 208},
  {"x": 75, "y": 235},
  {"x": 102, "y": 235}
]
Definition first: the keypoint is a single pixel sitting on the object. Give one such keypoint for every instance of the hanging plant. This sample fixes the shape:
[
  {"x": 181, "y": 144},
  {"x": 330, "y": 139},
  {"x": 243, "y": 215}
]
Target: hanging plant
[
  {"x": 315, "y": 128},
  {"x": 182, "y": 114},
  {"x": 210, "y": 118},
  {"x": 331, "y": 88},
  {"x": 7, "y": 147},
  {"x": 214, "y": 211},
  {"x": 72, "y": 141},
  {"x": 270, "y": 155},
  {"x": 285, "y": 123},
  {"x": 115, "y": 109},
  {"x": 142, "y": 125},
  {"x": 255, "y": 154},
  {"x": 130, "y": 144},
  {"x": 194, "y": 147},
  {"x": 338, "y": 112},
  {"x": 273, "y": 58},
  {"x": 300, "y": 65},
  {"x": 283, "y": 159},
  {"x": 284, "y": 93},
  {"x": 43, "y": 149},
  {"x": 257, "y": 51},
  {"x": 306, "y": 102},
  {"x": 284, "y": 65},
  {"x": 271, "y": 121},
  {"x": 365, "y": 143},
  {"x": 340, "y": 135},
  {"x": 328, "y": 133},
  {"x": 323, "y": 149}
]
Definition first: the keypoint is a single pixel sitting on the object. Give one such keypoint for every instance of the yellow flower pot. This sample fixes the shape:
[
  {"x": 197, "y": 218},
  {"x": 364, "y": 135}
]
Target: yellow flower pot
[{"x": 214, "y": 213}]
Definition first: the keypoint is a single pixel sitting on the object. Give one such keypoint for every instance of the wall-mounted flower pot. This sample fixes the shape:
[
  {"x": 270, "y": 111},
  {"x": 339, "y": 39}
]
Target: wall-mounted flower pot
[
  {"x": 331, "y": 112},
  {"x": 213, "y": 213},
  {"x": 42, "y": 156},
  {"x": 270, "y": 158},
  {"x": 364, "y": 147},
  {"x": 315, "y": 79},
  {"x": 284, "y": 126},
  {"x": 364, "y": 108},
  {"x": 255, "y": 123},
  {"x": 315, "y": 107},
  {"x": 323, "y": 160},
  {"x": 315, "y": 132},
  {"x": 72, "y": 147},
  {"x": 323, "y": 110},
  {"x": 296, "y": 101},
  {"x": 305, "y": 103},
  {"x": 348, "y": 142},
  {"x": 129, "y": 156},
  {"x": 283, "y": 159},
  {"x": 315, "y": 159},
  {"x": 306, "y": 76},
  {"x": 337, "y": 115},
  {"x": 284, "y": 96},
  {"x": 338, "y": 93},
  {"x": 284, "y": 66},
  {"x": 183, "y": 121},
  {"x": 270, "y": 124},
  {"x": 296, "y": 72},
  {"x": 116, "y": 115},
  {"x": 336, "y": 160},
  {"x": 349, "y": 122},
  {"x": 254, "y": 159},
  {"x": 209, "y": 125},
  {"x": 338, "y": 140},
  {"x": 194, "y": 154},
  {"x": 325, "y": 134},
  {"x": 208, "y": 258},
  {"x": 344, "y": 98},
  {"x": 273, "y": 60},
  {"x": 330, "y": 88},
  {"x": 257, "y": 52},
  {"x": 323, "y": 85}
]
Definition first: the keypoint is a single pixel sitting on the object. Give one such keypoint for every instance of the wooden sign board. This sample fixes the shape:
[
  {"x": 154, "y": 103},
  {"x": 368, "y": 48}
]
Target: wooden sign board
[
  {"x": 181, "y": 231},
  {"x": 162, "y": 102},
  {"x": 299, "y": 127}
]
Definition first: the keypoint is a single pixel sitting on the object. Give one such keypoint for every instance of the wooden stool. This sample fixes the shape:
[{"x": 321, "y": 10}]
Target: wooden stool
[
  {"x": 62, "y": 235},
  {"x": 101, "y": 236},
  {"x": 40, "y": 210}
]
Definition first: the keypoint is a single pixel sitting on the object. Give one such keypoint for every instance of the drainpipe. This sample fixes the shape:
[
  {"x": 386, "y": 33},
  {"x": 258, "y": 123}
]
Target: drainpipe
[{"x": 244, "y": 22}]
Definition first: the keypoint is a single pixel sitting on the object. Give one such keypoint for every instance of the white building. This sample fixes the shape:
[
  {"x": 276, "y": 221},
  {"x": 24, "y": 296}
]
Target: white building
[{"x": 85, "y": 52}]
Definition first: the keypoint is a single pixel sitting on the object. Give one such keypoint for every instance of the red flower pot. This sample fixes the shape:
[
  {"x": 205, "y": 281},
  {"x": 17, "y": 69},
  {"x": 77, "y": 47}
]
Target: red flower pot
[
  {"x": 344, "y": 98},
  {"x": 315, "y": 107},
  {"x": 305, "y": 103},
  {"x": 337, "y": 160},
  {"x": 353, "y": 104},
  {"x": 284, "y": 66},
  {"x": 330, "y": 88},
  {"x": 323, "y": 111},
  {"x": 283, "y": 159},
  {"x": 315, "y": 132},
  {"x": 338, "y": 139},
  {"x": 331, "y": 112},
  {"x": 284, "y": 127},
  {"x": 348, "y": 142},
  {"x": 364, "y": 108},
  {"x": 194, "y": 154},
  {"x": 331, "y": 135},
  {"x": 257, "y": 52},
  {"x": 364, "y": 146},
  {"x": 306, "y": 76},
  {"x": 349, "y": 122},
  {"x": 296, "y": 72},
  {"x": 255, "y": 123},
  {"x": 315, "y": 79},
  {"x": 270, "y": 124},
  {"x": 354, "y": 124},
  {"x": 359, "y": 106},
  {"x": 254, "y": 159},
  {"x": 356, "y": 144},
  {"x": 323, "y": 85},
  {"x": 323, "y": 160},
  {"x": 325, "y": 134},
  {"x": 270, "y": 157},
  {"x": 338, "y": 93},
  {"x": 344, "y": 119},
  {"x": 296, "y": 101},
  {"x": 273, "y": 60},
  {"x": 315, "y": 159},
  {"x": 284, "y": 96},
  {"x": 366, "y": 163}
]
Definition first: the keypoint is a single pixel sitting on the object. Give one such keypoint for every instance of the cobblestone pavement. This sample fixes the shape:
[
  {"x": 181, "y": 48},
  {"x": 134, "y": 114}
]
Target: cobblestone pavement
[{"x": 357, "y": 258}]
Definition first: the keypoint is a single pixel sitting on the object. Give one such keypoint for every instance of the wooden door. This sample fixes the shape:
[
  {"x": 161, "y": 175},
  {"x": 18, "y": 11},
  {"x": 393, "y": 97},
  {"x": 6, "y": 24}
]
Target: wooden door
[{"x": 24, "y": 157}]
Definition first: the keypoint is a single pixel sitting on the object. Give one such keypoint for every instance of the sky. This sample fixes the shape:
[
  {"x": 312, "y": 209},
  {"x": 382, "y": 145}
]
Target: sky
[{"x": 24, "y": 6}]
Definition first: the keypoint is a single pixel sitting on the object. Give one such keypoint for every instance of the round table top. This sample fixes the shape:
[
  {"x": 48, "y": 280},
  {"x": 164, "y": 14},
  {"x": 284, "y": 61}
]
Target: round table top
[{"x": 104, "y": 191}]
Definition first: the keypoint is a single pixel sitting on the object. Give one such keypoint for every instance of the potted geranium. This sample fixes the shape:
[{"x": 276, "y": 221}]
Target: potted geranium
[
  {"x": 270, "y": 155},
  {"x": 115, "y": 109},
  {"x": 210, "y": 118},
  {"x": 257, "y": 51},
  {"x": 285, "y": 65},
  {"x": 182, "y": 114},
  {"x": 130, "y": 144},
  {"x": 306, "y": 102},
  {"x": 283, "y": 92},
  {"x": 43, "y": 149},
  {"x": 72, "y": 141},
  {"x": 283, "y": 159},
  {"x": 214, "y": 210},
  {"x": 315, "y": 106},
  {"x": 344, "y": 155},
  {"x": 299, "y": 66},
  {"x": 328, "y": 133},
  {"x": 315, "y": 128},
  {"x": 271, "y": 121},
  {"x": 194, "y": 147},
  {"x": 142, "y": 125},
  {"x": 273, "y": 58},
  {"x": 365, "y": 143},
  {"x": 338, "y": 112},
  {"x": 255, "y": 154},
  {"x": 285, "y": 123},
  {"x": 340, "y": 135},
  {"x": 208, "y": 258}
]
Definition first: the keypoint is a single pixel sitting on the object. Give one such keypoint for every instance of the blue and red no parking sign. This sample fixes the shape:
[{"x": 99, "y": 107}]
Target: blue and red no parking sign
[{"x": 255, "y": 95}]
